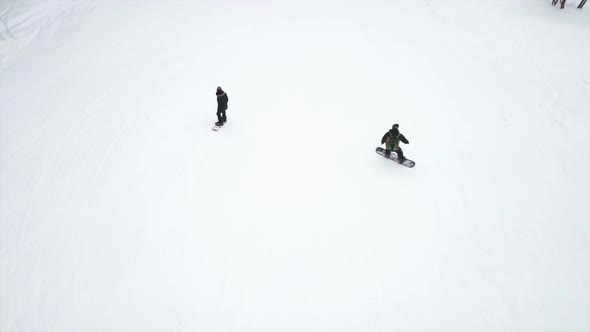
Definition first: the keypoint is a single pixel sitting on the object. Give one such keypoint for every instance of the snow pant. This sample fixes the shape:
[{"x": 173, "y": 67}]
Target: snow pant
[
  {"x": 221, "y": 117},
  {"x": 398, "y": 150}
]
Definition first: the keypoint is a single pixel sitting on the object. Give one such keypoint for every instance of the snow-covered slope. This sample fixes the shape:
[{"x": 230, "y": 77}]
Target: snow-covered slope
[{"x": 121, "y": 209}]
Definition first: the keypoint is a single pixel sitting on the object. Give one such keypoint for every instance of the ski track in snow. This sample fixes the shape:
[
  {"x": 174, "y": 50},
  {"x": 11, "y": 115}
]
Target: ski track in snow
[
  {"x": 21, "y": 22},
  {"x": 75, "y": 131}
]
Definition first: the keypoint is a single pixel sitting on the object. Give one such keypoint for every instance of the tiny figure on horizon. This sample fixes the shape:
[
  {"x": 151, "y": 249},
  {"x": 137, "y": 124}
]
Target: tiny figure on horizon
[
  {"x": 562, "y": 3},
  {"x": 221, "y": 106}
]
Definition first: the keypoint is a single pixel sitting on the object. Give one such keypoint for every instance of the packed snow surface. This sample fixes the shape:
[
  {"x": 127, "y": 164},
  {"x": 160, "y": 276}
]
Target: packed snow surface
[{"x": 121, "y": 210}]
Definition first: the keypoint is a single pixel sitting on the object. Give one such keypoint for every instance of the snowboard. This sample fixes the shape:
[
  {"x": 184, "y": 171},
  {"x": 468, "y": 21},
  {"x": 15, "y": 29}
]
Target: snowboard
[
  {"x": 216, "y": 127},
  {"x": 393, "y": 156}
]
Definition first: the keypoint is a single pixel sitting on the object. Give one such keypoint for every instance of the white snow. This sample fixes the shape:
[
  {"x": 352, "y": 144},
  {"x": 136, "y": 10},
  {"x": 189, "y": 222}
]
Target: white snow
[{"x": 121, "y": 210}]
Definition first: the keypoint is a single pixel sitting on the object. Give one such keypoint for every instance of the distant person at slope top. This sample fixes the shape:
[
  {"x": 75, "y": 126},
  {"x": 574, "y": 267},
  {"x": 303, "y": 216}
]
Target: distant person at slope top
[
  {"x": 554, "y": 2},
  {"x": 221, "y": 106},
  {"x": 391, "y": 140},
  {"x": 562, "y": 2}
]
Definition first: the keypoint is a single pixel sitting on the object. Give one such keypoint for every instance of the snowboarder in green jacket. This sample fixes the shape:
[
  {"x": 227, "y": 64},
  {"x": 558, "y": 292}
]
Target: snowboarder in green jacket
[{"x": 391, "y": 140}]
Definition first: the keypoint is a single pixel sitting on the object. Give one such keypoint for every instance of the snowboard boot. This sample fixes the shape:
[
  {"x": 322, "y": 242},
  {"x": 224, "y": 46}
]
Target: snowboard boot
[
  {"x": 219, "y": 124},
  {"x": 387, "y": 153},
  {"x": 400, "y": 157}
]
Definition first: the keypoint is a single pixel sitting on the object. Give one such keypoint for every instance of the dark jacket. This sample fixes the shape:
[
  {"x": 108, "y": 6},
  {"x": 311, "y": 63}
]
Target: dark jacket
[
  {"x": 394, "y": 134},
  {"x": 221, "y": 100}
]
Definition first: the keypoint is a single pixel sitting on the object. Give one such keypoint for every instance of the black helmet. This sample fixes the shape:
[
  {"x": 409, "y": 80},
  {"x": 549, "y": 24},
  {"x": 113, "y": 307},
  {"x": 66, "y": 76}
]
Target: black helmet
[
  {"x": 395, "y": 126},
  {"x": 394, "y": 131}
]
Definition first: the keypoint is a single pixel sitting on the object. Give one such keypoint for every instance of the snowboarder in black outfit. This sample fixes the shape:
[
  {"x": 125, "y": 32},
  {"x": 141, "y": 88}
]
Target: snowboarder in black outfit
[
  {"x": 221, "y": 106},
  {"x": 391, "y": 140}
]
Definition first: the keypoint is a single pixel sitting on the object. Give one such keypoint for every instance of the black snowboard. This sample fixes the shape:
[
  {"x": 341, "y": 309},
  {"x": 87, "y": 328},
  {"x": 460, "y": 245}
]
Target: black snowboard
[{"x": 393, "y": 156}]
